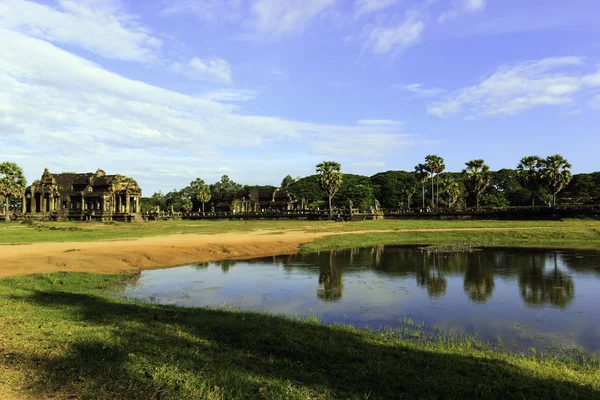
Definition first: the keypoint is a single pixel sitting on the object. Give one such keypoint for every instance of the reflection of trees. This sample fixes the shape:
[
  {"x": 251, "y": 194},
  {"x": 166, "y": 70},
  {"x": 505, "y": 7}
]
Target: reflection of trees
[
  {"x": 479, "y": 281},
  {"x": 429, "y": 276},
  {"x": 330, "y": 280},
  {"x": 539, "y": 287}
]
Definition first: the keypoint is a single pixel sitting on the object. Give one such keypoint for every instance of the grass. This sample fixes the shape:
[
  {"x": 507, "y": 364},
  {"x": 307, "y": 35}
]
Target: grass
[
  {"x": 578, "y": 233},
  {"x": 65, "y": 336}
]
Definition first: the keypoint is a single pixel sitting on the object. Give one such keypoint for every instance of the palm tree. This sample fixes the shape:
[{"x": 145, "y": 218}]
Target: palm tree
[
  {"x": 529, "y": 172},
  {"x": 435, "y": 164},
  {"x": 451, "y": 188},
  {"x": 555, "y": 172},
  {"x": 12, "y": 183},
  {"x": 421, "y": 173},
  {"x": 430, "y": 167},
  {"x": 330, "y": 179},
  {"x": 186, "y": 205},
  {"x": 477, "y": 177},
  {"x": 203, "y": 195}
]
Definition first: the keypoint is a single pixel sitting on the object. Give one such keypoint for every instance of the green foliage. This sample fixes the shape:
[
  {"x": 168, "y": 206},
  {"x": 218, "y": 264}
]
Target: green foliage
[
  {"x": 287, "y": 182},
  {"x": 12, "y": 183},
  {"x": 477, "y": 178},
  {"x": 393, "y": 188},
  {"x": 225, "y": 189},
  {"x": 186, "y": 205},
  {"x": 556, "y": 174},
  {"x": 358, "y": 189},
  {"x": 330, "y": 179},
  {"x": 203, "y": 194},
  {"x": 530, "y": 174},
  {"x": 307, "y": 188},
  {"x": 435, "y": 166}
]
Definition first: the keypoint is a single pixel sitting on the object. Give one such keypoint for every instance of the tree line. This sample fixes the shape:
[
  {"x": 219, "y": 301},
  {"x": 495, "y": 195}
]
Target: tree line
[{"x": 534, "y": 181}]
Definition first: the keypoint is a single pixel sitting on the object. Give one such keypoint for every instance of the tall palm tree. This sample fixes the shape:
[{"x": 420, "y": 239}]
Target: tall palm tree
[
  {"x": 477, "y": 177},
  {"x": 203, "y": 194},
  {"x": 422, "y": 175},
  {"x": 435, "y": 166},
  {"x": 529, "y": 172},
  {"x": 12, "y": 183},
  {"x": 330, "y": 179},
  {"x": 451, "y": 188},
  {"x": 555, "y": 172}
]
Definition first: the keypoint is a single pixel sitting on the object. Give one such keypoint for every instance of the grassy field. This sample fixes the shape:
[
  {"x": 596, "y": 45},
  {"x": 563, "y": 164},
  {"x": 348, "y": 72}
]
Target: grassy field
[
  {"x": 568, "y": 233},
  {"x": 65, "y": 336}
]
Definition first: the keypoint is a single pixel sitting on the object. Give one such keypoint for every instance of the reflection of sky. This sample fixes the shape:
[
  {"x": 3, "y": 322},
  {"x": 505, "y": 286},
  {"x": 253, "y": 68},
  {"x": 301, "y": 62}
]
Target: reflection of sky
[{"x": 374, "y": 298}]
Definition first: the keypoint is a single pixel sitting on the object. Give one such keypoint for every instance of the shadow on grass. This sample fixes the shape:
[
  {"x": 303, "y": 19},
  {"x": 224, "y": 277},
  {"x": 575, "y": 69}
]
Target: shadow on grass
[{"x": 138, "y": 351}]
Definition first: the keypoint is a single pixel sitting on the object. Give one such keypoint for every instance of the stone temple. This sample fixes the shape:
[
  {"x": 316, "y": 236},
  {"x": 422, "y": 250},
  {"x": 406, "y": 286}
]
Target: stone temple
[{"x": 83, "y": 197}]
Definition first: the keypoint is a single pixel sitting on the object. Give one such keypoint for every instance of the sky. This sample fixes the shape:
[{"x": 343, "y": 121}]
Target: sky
[{"x": 167, "y": 91}]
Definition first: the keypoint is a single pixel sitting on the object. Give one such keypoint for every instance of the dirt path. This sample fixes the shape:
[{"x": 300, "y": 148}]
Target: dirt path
[{"x": 163, "y": 251}]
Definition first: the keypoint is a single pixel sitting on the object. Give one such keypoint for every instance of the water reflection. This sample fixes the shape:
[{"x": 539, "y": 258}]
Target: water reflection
[{"x": 523, "y": 295}]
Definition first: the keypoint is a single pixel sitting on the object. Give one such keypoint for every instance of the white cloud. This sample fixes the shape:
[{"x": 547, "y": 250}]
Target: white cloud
[
  {"x": 67, "y": 113},
  {"x": 230, "y": 95},
  {"x": 394, "y": 39},
  {"x": 279, "y": 18},
  {"x": 419, "y": 90},
  {"x": 363, "y": 7},
  {"x": 516, "y": 88},
  {"x": 213, "y": 70},
  {"x": 99, "y": 26},
  {"x": 462, "y": 7},
  {"x": 207, "y": 10},
  {"x": 380, "y": 122}
]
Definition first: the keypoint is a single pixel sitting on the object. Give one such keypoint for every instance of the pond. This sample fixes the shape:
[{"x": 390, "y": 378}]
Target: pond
[{"x": 520, "y": 297}]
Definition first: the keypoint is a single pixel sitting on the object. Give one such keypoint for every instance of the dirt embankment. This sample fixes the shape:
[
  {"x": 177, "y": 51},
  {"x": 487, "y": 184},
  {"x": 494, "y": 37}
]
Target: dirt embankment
[{"x": 112, "y": 256}]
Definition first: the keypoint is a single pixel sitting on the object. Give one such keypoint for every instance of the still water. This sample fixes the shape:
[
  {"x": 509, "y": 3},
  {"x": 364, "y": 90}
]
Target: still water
[{"x": 523, "y": 298}]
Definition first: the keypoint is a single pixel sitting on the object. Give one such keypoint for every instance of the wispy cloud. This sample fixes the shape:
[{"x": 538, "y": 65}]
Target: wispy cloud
[
  {"x": 100, "y": 27},
  {"x": 363, "y": 7},
  {"x": 419, "y": 90},
  {"x": 517, "y": 88},
  {"x": 213, "y": 70},
  {"x": 230, "y": 95},
  {"x": 380, "y": 122},
  {"x": 207, "y": 10},
  {"x": 462, "y": 7},
  {"x": 393, "y": 39},
  {"x": 275, "y": 18},
  {"x": 57, "y": 105}
]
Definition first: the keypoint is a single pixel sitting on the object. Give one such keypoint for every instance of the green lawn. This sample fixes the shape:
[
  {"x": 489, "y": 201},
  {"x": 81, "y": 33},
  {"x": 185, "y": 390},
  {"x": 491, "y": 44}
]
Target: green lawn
[
  {"x": 65, "y": 335},
  {"x": 577, "y": 232}
]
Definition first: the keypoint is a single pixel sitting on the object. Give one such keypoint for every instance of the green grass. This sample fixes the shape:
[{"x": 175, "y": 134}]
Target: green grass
[
  {"x": 555, "y": 232},
  {"x": 65, "y": 335},
  {"x": 578, "y": 236}
]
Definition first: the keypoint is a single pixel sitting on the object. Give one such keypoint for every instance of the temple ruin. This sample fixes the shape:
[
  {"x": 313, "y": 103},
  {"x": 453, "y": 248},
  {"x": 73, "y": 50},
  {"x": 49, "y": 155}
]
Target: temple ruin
[{"x": 82, "y": 197}]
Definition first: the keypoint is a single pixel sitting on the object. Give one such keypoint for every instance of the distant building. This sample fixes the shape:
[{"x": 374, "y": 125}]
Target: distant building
[
  {"x": 261, "y": 200},
  {"x": 82, "y": 197}
]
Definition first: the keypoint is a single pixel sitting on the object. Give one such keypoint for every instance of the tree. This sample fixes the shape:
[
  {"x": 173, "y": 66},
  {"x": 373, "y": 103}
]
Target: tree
[
  {"x": 555, "y": 172},
  {"x": 330, "y": 179},
  {"x": 477, "y": 177},
  {"x": 392, "y": 187},
  {"x": 435, "y": 165},
  {"x": 287, "y": 182},
  {"x": 12, "y": 183},
  {"x": 529, "y": 172},
  {"x": 187, "y": 205},
  {"x": 422, "y": 174},
  {"x": 203, "y": 195},
  {"x": 451, "y": 189},
  {"x": 225, "y": 189}
]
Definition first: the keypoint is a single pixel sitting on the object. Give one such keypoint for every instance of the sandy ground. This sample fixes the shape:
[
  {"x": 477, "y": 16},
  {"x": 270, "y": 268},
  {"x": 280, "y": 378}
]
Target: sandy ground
[{"x": 112, "y": 256}]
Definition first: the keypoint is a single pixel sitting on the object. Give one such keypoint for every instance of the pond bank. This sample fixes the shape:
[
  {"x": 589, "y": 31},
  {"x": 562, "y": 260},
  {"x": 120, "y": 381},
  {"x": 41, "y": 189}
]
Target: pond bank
[
  {"x": 64, "y": 336},
  {"x": 134, "y": 254}
]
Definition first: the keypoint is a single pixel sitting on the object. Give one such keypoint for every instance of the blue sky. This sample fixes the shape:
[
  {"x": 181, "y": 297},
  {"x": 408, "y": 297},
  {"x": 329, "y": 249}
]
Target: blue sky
[{"x": 170, "y": 90}]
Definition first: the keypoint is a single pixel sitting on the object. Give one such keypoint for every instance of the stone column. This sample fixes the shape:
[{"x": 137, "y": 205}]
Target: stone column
[
  {"x": 33, "y": 202},
  {"x": 127, "y": 203},
  {"x": 52, "y": 200},
  {"x": 24, "y": 205},
  {"x": 138, "y": 205}
]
